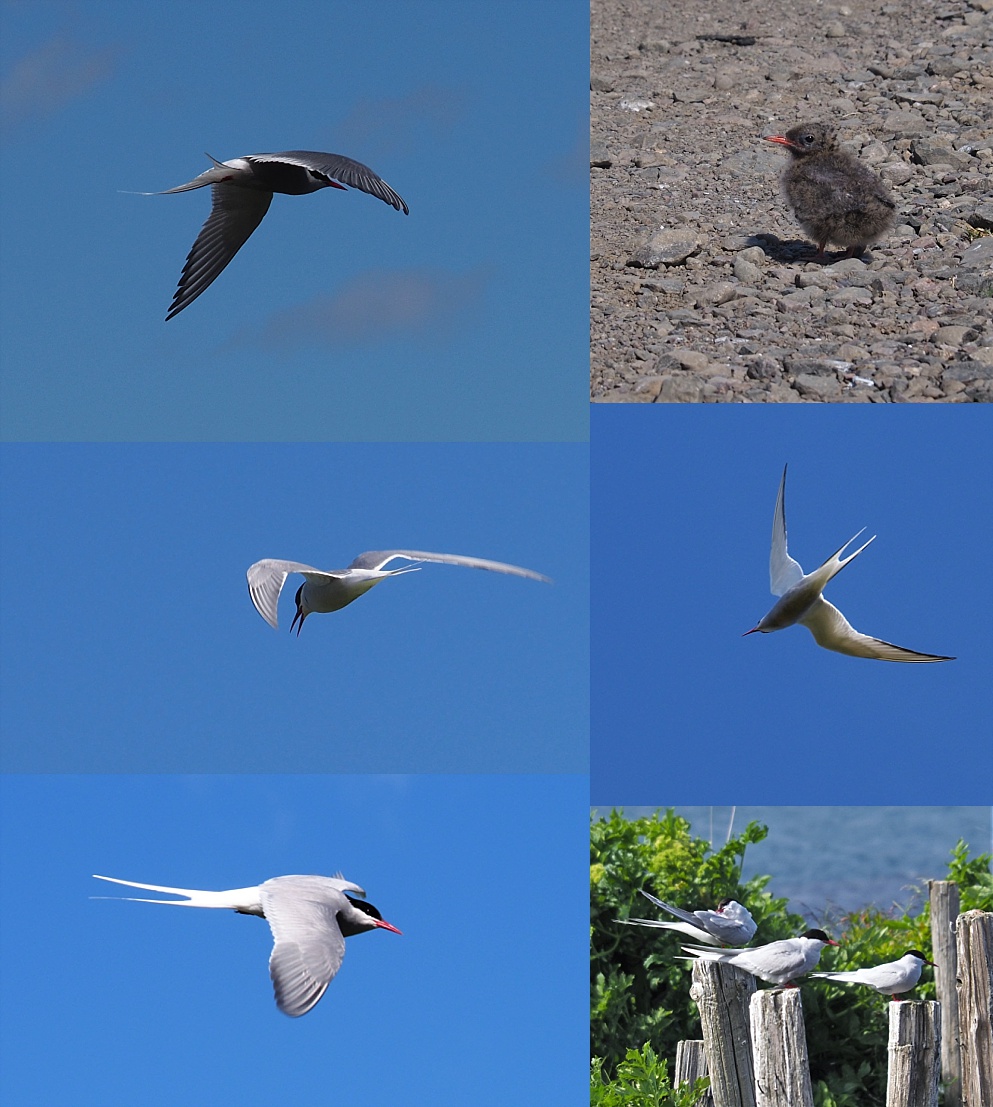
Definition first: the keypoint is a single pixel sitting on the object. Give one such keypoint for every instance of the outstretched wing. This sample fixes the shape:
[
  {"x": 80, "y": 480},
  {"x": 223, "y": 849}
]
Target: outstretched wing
[
  {"x": 336, "y": 167},
  {"x": 784, "y": 572},
  {"x": 265, "y": 582},
  {"x": 235, "y": 212},
  {"x": 834, "y": 632},
  {"x": 376, "y": 559}
]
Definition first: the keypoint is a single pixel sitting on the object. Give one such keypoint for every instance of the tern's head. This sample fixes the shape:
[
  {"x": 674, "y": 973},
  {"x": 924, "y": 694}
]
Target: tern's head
[
  {"x": 806, "y": 139},
  {"x": 920, "y": 956},
  {"x": 302, "y": 612},
  {"x": 818, "y": 936},
  {"x": 362, "y": 916}
]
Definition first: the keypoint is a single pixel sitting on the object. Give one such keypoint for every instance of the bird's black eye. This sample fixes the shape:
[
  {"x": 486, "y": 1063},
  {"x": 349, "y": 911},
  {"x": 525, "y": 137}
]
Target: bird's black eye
[{"x": 809, "y": 139}]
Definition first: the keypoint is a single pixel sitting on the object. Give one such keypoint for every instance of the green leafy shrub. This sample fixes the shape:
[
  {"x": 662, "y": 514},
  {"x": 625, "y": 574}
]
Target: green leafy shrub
[{"x": 642, "y": 1080}]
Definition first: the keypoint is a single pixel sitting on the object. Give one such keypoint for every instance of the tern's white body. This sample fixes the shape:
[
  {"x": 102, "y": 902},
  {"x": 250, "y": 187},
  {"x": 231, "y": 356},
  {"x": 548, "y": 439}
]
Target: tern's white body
[
  {"x": 326, "y": 590},
  {"x": 800, "y": 600},
  {"x": 730, "y": 925},
  {"x": 242, "y": 190},
  {"x": 890, "y": 979},
  {"x": 778, "y": 962},
  {"x": 309, "y": 916}
]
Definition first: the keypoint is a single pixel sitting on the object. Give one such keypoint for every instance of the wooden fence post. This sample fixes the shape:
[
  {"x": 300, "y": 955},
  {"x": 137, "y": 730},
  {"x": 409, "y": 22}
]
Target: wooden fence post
[
  {"x": 914, "y": 1054},
  {"x": 691, "y": 1064},
  {"x": 721, "y": 993},
  {"x": 944, "y": 896},
  {"x": 974, "y": 934},
  {"x": 782, "y": 1070}
]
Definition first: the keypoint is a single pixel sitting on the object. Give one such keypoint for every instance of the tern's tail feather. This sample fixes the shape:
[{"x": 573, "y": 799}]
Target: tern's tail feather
[
  {"x": 234, "y": 899},
  {"x": 835, "y": 563}
]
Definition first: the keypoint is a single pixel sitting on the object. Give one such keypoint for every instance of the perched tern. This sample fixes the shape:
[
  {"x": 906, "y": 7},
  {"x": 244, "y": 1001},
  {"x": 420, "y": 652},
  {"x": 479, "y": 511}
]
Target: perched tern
[
  {"x": 309, "y": 916},
  {"x": 730, "y": 925},
  {"x": 800, "y": 600},
  {"x": 241, "y": 192},
  {"x": 890, "y": 979},
  {"x": 332, "y": 589},
  {"x": 778, "y": 962}
]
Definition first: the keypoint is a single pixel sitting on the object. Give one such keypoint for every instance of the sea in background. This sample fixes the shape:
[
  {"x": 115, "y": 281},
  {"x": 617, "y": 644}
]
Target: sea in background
[{"x": 833, "y": 860}]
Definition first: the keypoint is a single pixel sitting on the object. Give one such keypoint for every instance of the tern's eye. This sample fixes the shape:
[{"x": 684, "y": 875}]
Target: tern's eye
[{"x": 808, "y": 139}]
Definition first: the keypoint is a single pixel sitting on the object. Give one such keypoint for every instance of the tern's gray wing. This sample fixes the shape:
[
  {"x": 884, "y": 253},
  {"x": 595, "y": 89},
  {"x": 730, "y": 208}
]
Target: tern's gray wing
[
  {"x": 376, "y": 559},
  {"x": 266, "y": 579},
  {"x": 784, "y": 572},
  {"x": 834, "y": 632},
  {"x": 308, "y": 944},
  {"x": 339, "y": 168},
  {"x": 235, "y": 212}
]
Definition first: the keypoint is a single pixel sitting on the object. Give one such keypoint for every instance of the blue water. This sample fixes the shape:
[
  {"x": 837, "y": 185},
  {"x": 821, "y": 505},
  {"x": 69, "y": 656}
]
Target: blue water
[{"x": 839, "y": 859}]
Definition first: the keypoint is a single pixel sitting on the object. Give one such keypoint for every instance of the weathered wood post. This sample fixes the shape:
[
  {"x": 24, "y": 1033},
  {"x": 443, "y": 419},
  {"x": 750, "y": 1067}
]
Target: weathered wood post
[
  {"x": 914, "y": 1054},
  {"x": 721, "y": 993},
  {"x": 691, "y": 1064},
  {"x": 944, "y": 896},
  {"x": 782, "y": 1069},
  {"x": 974, "y": 934}
]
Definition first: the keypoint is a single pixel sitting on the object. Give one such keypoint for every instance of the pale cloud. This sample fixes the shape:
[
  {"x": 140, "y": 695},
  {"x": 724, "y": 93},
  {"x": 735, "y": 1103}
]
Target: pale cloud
[
  {"x": 376, "y": 306},
  {"x": 572, "y": 166},
  {"x": 397, "y": 125},
  {"x": 44, "y": 81}
]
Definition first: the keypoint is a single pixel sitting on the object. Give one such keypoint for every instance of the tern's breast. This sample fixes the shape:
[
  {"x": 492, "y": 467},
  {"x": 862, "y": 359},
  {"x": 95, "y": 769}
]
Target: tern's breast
[{"x": 792, "y": 605}]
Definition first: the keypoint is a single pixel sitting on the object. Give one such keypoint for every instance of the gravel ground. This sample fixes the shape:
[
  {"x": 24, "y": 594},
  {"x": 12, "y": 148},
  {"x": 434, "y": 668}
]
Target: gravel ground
[{"x": 703, "y": 289}]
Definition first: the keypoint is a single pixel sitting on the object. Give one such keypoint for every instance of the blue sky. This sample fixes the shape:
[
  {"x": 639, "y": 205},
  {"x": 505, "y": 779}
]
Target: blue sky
[
  {"x": 129, "y": 642},
  {"x": 340, "y": 318},
  {"x": 685, "y": 709},
  {"x": 483, "y": 995}
]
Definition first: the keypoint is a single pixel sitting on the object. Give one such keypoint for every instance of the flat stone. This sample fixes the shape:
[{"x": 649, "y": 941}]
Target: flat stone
[
  {"x": 746, "y": 271},
  {"x": 665, "y": 248},
  {"x": 681, "y": 390},
  {"x": 979, "y": 255},
  {"x": 819, "y": 388}
]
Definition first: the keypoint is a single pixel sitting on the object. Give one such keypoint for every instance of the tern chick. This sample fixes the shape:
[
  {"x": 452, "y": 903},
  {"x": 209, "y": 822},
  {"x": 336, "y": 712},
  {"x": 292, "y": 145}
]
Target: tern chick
[{"x": 834, "y": 198}]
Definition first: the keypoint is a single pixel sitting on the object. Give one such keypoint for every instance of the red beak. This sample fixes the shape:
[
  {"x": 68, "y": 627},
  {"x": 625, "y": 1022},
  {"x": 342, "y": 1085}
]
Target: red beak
[{"x": 781, "y": 139}]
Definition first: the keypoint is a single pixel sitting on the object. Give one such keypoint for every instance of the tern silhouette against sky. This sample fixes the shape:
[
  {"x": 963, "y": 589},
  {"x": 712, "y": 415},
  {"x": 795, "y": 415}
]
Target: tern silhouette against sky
[
  {"x": 332, "y": 589},
  {"x": 241, "y": 192},
  {"x": 778, "y": 962},
  {"x": 309, "y": 916},
  {"x": 800, "y": 600},
  {"x": 890, "y": 979},
  {"x": 730, "y": 925}
]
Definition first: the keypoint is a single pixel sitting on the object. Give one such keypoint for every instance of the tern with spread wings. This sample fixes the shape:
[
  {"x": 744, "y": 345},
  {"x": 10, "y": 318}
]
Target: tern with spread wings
[
  {"x": 241, "y": 192},
  {"x": 800, "y": 600},
  {"x": 326, "y": 590},
  {"x": 309, "y": 916}
]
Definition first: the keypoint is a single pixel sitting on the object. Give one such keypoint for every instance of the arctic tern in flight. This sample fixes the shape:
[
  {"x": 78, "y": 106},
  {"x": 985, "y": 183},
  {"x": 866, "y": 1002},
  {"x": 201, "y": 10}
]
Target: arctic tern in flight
[
  {"x": 890, "y": 979},
  {"x": 800, "y": 600},
  {"x": 778, "y": 962},
  {"x": 241, "y": 192},
  {"x": 332, "y": 589},
  {"x": 730, "y": 925},
  {"x": 309, "y": 916}
]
